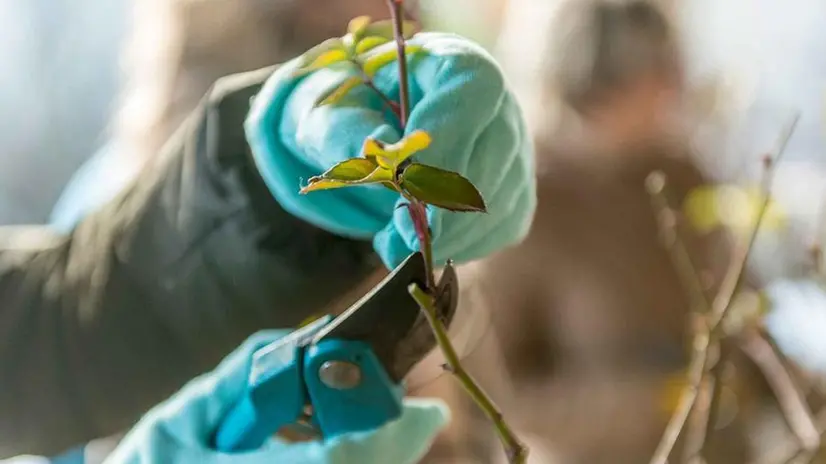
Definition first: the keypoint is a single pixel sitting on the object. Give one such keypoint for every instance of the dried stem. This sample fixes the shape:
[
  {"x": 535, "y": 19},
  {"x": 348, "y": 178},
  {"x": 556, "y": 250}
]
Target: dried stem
[
  {"x": 716, "y": 377},
  {"x": 656, "y": 185},
  {"x": 696, "y": 433},
  {"x": 789, "y": 397},
  {"x": 687, "y": 400},
  {"x": 516, "y": 452},
  {"x": 734, "y": 275},
  {"x": 802, "y": 455},
  {"x": 708, "y": 337}
]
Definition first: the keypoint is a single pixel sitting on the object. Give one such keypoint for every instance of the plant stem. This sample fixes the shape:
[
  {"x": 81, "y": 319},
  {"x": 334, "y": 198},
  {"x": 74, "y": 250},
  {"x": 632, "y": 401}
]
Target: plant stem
[
  {"x": 710, "y": 416},
  {"x": 517, "y": 453},
  {"x": 711, "y": 331},
  {"x": 418, "y": 214},
  {"x": 791, "y": 400},
  {"x": 679, "y": 419},
  {"x": 391, "y": 105},
  {"x": 736, "y": 271},
  {"x": 396, "y": 15}
]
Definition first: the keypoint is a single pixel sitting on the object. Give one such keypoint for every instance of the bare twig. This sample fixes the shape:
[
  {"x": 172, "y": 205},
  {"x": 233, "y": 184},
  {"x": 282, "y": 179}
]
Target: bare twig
[
  {"x": 687, "y": 400},
  {"x": 708, "y": 337},
  {"x": 656, "y": 185},
  {"x": 716, "y": 377},
  {"x": 802, "y": 455},
  {"x": 735, "y": 273},
  {"x": 789, "y": 397}
]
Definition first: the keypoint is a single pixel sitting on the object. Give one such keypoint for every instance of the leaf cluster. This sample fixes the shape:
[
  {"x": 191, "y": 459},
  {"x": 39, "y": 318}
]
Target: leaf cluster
[
  {"x": 390, "y": 166},
  {"x": 357, "y": 51},
  {"x": 387, "y": 165}
]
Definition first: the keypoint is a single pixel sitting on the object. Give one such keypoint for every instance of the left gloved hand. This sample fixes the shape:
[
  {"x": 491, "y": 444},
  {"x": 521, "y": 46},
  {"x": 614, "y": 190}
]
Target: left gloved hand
[
  {"x": 180, "y": 430},
  {"x": 458, "y": 95}
]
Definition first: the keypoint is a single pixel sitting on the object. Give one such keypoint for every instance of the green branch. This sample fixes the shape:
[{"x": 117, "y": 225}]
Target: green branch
[{"x": 517, "y": 453}]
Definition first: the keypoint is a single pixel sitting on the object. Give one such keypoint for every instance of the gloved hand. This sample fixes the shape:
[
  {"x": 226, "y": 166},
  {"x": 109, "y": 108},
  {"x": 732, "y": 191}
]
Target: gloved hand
[
  {"x": 179, "y": 430},
  {"x": 458, "y": 95}
]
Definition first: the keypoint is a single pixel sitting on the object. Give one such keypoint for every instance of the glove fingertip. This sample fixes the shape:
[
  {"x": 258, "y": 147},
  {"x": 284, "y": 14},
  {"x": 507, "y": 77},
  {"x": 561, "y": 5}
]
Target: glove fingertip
[{"x": 433, "y": 414}]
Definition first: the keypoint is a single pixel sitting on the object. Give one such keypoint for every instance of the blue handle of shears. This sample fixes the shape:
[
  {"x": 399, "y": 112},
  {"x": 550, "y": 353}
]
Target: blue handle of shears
[{"x": 285, "y": 378}]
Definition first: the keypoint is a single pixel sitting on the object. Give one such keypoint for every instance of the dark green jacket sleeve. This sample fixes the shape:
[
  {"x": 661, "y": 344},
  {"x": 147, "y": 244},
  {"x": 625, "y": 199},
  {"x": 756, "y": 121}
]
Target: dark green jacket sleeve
[{"x": 158, "y": 286}]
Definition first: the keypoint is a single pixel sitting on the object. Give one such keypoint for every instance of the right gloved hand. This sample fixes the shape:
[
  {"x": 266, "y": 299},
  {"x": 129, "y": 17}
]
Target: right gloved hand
[
  {"x": 458, "y": 95},
  {"x": 180, "y": 430}
]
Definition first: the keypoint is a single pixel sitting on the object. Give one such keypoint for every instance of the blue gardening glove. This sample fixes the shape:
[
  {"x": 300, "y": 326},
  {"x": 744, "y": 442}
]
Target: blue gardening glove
[
  {"x": 179, "y": 430},
  {"x": 458, "y": 95}
]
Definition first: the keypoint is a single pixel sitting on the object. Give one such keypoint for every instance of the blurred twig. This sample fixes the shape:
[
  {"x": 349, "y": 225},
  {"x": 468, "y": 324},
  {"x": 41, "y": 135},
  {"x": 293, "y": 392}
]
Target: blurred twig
[
  {"x": 657, "y": 185},
  {"x": 736, "y": 272},
  {"x": 790, "y": 399},
  {"x": 708, "y": 336}
]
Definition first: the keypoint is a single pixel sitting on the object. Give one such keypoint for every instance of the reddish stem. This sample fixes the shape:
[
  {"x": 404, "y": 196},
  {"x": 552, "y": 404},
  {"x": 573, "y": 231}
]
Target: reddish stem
[
  {"x": 396, "y": 15},
  {"x": 418, "y": 214}
]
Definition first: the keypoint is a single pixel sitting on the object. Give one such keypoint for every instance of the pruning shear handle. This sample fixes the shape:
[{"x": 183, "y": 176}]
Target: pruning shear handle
[{"x": 340, "y": 374}]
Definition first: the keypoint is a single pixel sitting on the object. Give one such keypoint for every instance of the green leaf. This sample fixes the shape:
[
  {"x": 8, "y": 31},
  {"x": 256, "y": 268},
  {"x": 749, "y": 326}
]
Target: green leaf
[
  {"x": 374, "y": 150},
  {"x": 384, "y": 29},
  {"x": 368, "y": 43},
  {"x": 351, "y": 172},
  {"x": 340, "y": 92},
  {"x": 441, "y": 188},
  {"x": 413, "y": 143},
  {"x": 327, "y": 59},
  {"x": 380, "y": 60},
  {"x": 314, "y": 54}
]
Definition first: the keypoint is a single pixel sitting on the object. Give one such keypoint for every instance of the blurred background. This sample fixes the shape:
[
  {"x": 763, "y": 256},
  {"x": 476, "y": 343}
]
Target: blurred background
[{"x": 589, "y": 318}]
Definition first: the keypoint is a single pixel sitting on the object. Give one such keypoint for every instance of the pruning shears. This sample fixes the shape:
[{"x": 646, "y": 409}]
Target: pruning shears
[{"x": 340, "y": 374}]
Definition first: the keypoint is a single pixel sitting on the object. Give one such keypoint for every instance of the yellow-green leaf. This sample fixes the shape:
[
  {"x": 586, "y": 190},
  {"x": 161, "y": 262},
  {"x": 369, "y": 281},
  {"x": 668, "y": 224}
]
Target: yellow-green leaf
[
  {"x": 316, "y": 52},
  {"x": 415, "y": 142},
  {"x": 351, "y": 172},
  {"x": 358, "y": 25},
  {"x": 372, "y": 148},
  {"x": 379, "y": 60},
  {"x": 368, "y": 43},
  {"x": 326, "y": 59},
  {"x": 340, "y": 92},
  {"x": 378, "y": 176},
  {"x": 441, "y": 188},
  {"x": 391, "y": 156},
  {"x": 384, "y": 29}
]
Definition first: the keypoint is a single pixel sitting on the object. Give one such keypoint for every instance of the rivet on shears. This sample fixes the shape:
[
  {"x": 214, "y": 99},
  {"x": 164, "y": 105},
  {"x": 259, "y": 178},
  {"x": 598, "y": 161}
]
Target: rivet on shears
[{"x": 340, "y": 375}]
